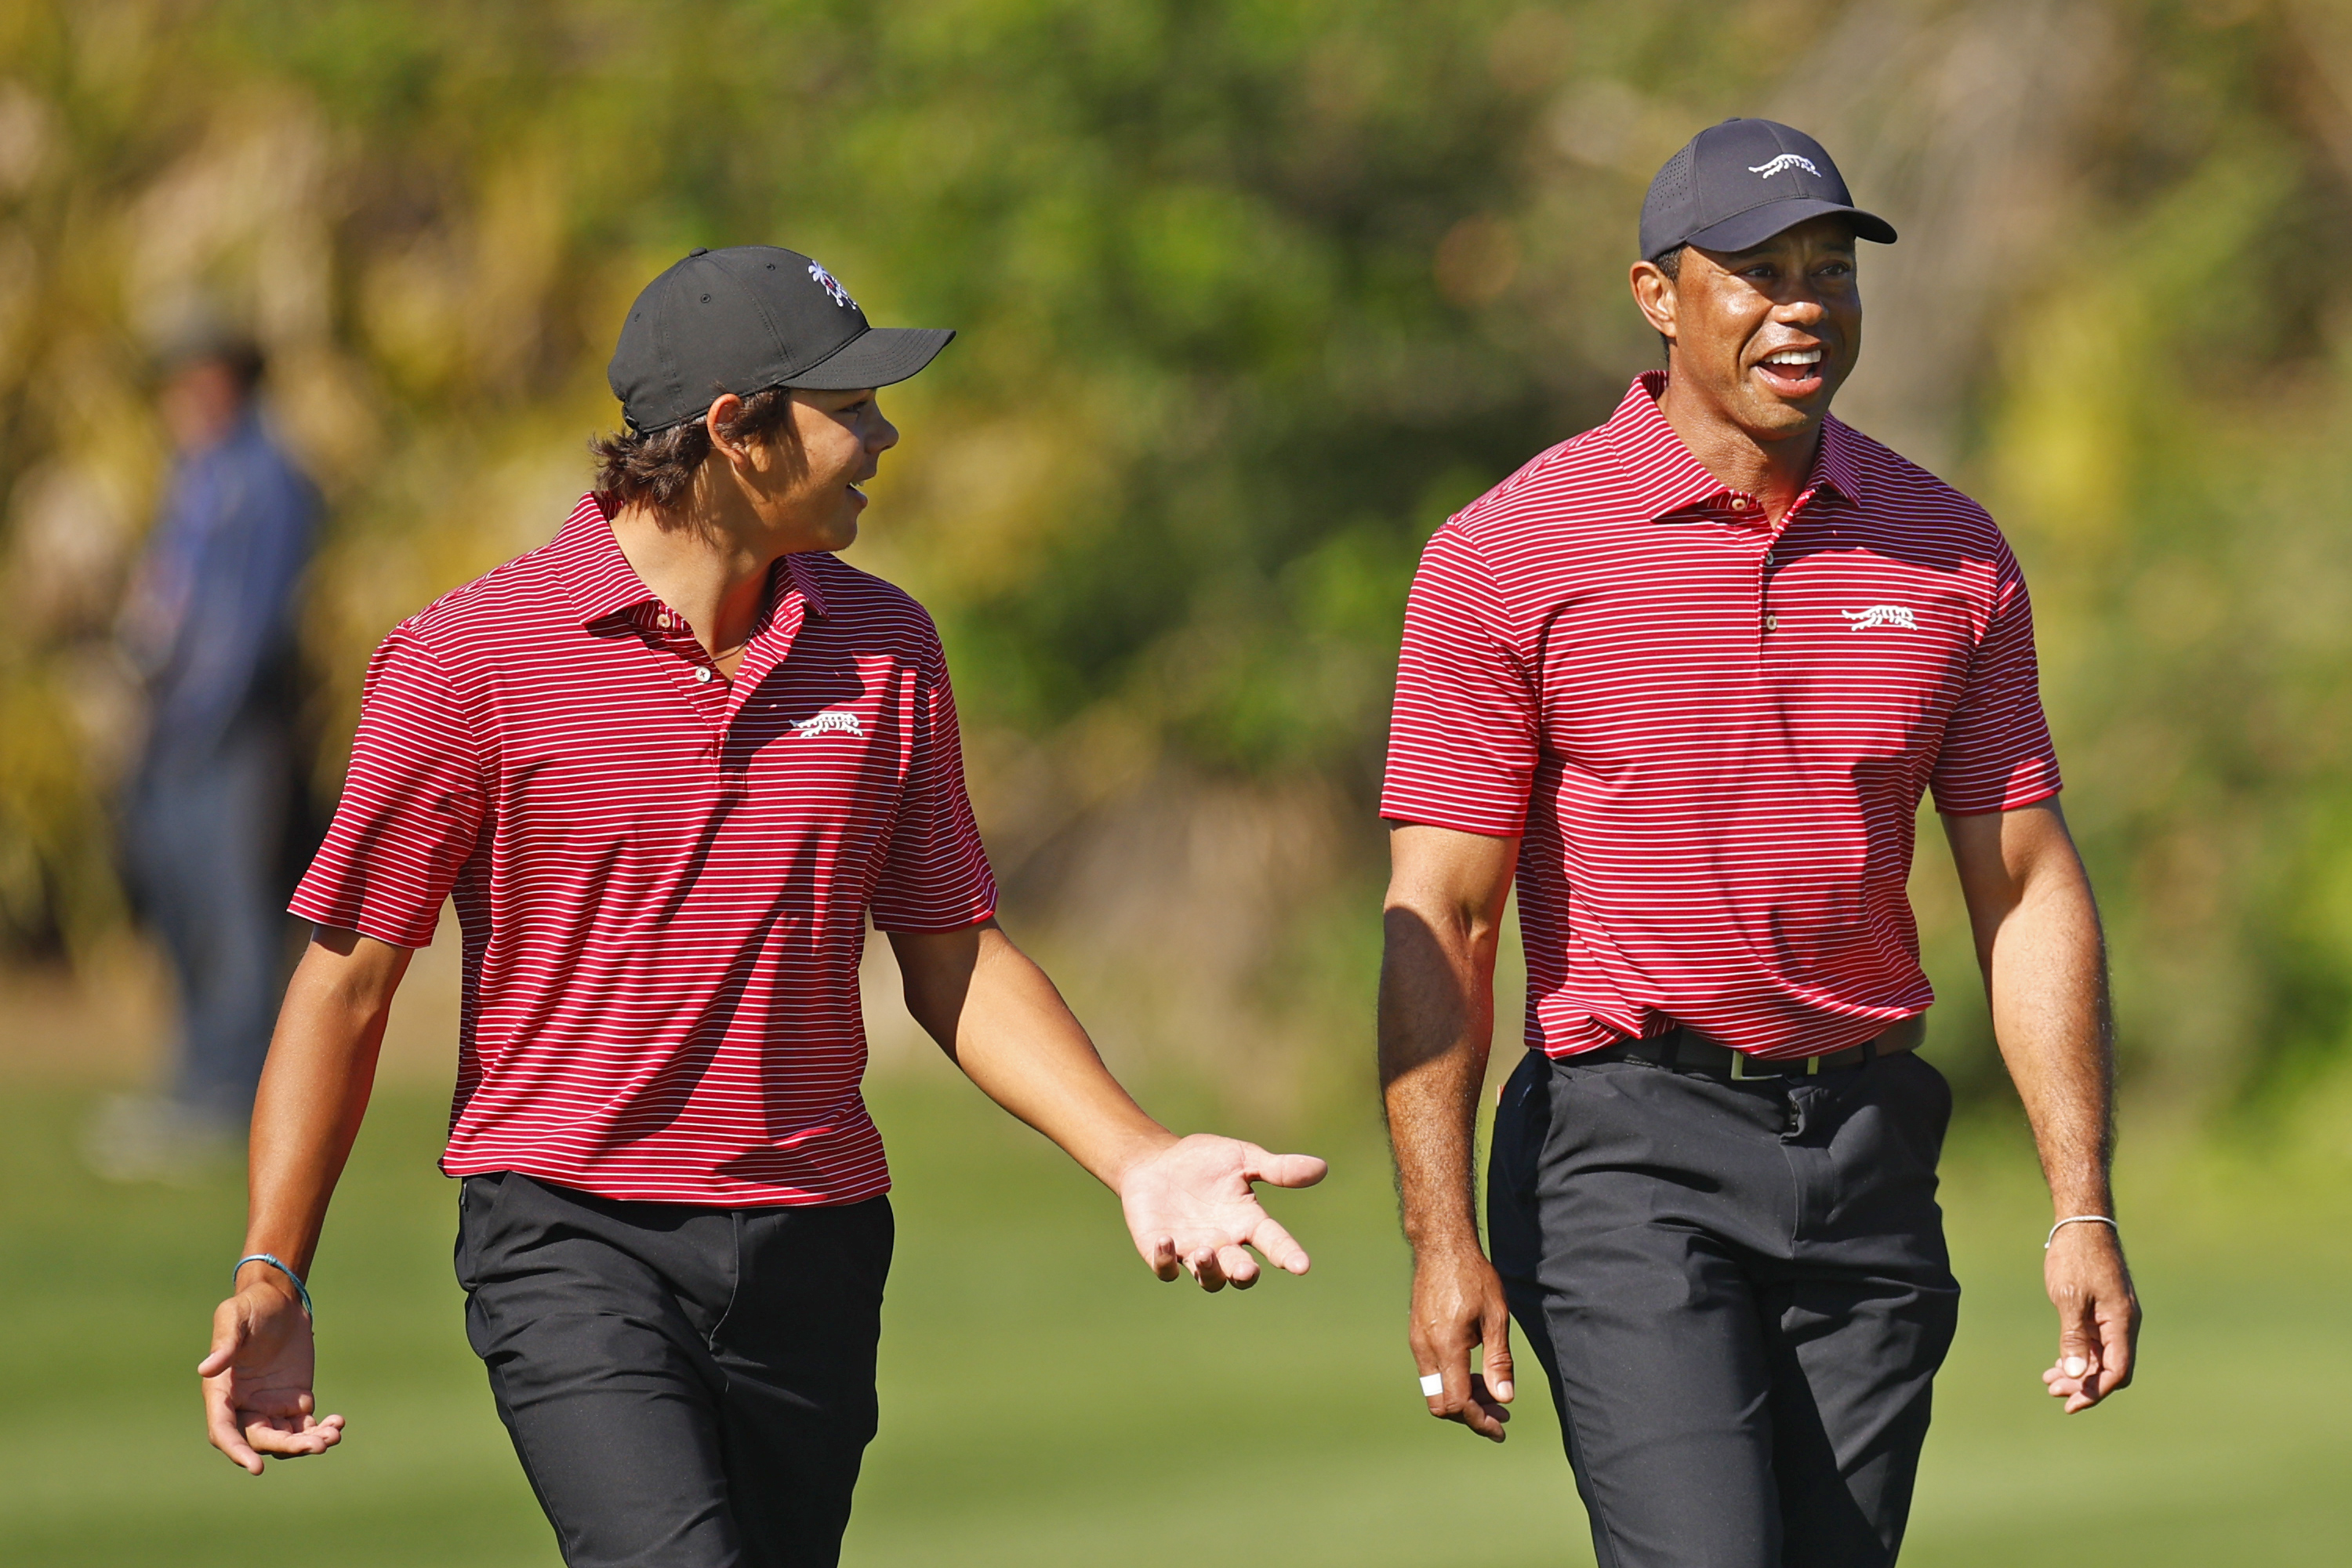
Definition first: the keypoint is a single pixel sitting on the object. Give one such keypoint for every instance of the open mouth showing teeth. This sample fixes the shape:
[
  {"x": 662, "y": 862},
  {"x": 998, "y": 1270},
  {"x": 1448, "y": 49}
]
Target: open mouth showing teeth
[{"x": 1792, "y": 365}]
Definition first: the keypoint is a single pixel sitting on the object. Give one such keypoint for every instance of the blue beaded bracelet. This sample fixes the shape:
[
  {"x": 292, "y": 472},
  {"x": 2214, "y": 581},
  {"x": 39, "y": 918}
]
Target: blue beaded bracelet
[{"x": 278, "y": 1263}]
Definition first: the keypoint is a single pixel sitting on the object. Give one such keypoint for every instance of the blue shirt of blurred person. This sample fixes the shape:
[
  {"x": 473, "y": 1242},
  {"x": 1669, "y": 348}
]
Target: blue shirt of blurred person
[{"x": 211, "y": 622}]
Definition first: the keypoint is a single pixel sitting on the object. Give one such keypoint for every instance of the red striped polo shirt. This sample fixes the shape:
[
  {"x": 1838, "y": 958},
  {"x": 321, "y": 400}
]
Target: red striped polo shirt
[
  {"x": 1714, "y": 735},
  {"x": 663, "y": 875}
]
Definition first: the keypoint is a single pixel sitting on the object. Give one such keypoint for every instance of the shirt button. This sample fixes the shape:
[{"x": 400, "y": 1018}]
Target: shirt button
[
  {"x": 701, "y": 674},
  {"x": 1771, "y": 623},
  {"x": 1739, "y": 503}
]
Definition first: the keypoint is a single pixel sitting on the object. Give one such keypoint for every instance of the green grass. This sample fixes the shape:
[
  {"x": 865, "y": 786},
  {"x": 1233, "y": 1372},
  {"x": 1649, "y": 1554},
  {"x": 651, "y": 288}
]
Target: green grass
[{"x": 1045, "y": 1401}]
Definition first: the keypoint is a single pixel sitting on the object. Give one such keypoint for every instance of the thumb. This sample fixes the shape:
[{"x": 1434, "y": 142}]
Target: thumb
[
  {"x": 227, "y": 1340},
  {"x": 1494, "y": 1335},
  {"x": 1283, "y": 1170}
]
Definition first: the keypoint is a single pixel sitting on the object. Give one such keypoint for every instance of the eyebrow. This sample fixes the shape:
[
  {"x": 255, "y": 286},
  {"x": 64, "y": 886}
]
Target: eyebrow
[{"x": 1765, "y": 252}]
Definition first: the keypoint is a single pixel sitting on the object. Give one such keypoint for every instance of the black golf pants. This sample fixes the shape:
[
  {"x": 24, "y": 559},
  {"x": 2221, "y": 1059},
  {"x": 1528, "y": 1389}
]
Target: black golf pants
[
  {"x": 1740, "y": 1294},
  {"x": 686, "y": 1387}
]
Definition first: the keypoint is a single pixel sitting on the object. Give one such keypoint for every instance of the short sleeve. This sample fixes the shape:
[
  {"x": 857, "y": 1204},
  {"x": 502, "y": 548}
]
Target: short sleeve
[
  {"x": 1463, "y": 732},
  {"x": 935, "y": 875},
  {"x": 1996, "y": 754},
  {"x": 412, "y": 809}
]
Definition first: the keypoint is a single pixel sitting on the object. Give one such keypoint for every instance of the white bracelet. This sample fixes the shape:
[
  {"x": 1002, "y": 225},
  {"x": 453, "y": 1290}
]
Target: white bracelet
[{"x": 2078, "y": 1219}]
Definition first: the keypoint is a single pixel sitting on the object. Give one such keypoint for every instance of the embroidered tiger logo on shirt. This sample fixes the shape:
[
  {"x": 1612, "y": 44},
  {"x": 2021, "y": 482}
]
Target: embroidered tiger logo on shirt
[
  {"x": 829, "y": 724},
  {"x": 1881, "y": 616}
]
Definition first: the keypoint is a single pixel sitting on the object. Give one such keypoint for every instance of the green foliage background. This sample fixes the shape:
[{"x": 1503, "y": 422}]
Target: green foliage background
[{"x": 1252, "y": 292}]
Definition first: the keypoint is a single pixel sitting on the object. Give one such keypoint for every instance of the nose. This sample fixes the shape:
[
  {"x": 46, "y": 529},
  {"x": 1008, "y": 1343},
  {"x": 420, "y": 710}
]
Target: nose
[{"x": 882, "y": 436}]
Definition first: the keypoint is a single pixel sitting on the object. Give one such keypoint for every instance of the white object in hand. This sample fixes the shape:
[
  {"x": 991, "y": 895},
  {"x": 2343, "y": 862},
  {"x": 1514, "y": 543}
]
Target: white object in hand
[{"x": 1434, "y": 1384}]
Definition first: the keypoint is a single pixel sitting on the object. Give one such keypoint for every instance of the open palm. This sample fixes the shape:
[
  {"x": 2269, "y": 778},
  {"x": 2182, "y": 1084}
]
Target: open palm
[{"x": 1191, "y": 1207}]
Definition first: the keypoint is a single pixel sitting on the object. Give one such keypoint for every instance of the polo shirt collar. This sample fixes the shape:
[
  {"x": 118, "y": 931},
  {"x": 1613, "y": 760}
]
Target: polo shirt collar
[
  {"x": 602, "y": 583},
  {"x": 1666, "y": 477}
]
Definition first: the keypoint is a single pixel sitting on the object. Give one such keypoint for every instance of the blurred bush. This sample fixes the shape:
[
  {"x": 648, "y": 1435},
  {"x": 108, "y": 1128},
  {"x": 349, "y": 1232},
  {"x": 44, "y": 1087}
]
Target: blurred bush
[{"x": 1253, "y": 294}]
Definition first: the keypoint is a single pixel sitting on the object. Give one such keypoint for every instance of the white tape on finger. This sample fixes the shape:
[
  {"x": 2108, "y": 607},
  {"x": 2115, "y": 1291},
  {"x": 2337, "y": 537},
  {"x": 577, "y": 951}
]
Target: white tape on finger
[{"x": 1434, "y": 1384}]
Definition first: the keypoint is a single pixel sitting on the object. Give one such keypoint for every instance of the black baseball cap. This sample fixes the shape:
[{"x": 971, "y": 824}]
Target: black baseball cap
[
  {"x": 747, "y": 318},
  {"x": 1740, "y": 183}
]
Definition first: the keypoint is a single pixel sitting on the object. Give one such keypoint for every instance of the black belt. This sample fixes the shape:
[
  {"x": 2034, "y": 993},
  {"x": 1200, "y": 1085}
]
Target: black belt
[{"x": 1687, "y": 1050}]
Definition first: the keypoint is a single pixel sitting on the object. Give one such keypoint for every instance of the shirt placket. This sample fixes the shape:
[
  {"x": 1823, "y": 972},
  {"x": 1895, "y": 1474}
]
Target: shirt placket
[
  {"x": 1771, "y": 543},
  {"x": 699, "y": 681},
  {"x": 717, "y": 699}
]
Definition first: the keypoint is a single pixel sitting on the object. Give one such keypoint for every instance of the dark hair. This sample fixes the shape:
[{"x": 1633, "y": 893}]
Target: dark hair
[
  {"x": 1670, "y": 262},
  {"x": 658, "y": 468},
  {"x": 245, "y": 362},
  {"x": 201, "y": 336}
]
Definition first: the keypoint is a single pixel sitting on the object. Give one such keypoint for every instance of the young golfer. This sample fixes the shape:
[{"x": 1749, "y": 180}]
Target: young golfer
[{"x": 668, "y": 765}]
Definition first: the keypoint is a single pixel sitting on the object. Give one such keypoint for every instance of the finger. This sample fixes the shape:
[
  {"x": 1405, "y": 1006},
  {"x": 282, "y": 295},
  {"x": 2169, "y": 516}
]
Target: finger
[
  {"x": 1161, "y": 1255},
  {"x": 1280, "y": 1250},
  {"x": 220, "y": 1427},
  {"x": 2116, "y": 1352},
  {"x": 1450, "y": 1360},
  {"x": 1495, "y": 1334},
  {"x": 291, "y": 1442},
  {"x": 1238, "y": 1267},
  {"x": 1482, "y": 1414},
  {"x": 1282, "y": 1170},
  {"x": 2078, "y": 1345},
  {"x": 1204, "y": 1264}
]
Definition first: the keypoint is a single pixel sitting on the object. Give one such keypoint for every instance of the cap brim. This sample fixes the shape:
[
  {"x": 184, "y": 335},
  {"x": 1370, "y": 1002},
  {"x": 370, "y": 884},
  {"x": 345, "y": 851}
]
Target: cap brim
[
  {"x": 880, "y": 356},
  {"x": 1760, "y": 224}
]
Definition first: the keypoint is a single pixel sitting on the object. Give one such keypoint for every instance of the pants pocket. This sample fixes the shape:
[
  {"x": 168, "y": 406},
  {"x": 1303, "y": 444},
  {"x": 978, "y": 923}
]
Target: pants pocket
[
  {"x": 1522, "y": 1122},
  {"x": 478, "y": 1203}
]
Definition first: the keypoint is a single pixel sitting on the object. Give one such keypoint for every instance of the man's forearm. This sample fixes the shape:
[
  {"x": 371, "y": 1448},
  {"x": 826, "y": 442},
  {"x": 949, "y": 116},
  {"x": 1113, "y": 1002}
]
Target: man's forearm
[
  {"x": 1436, "y": 1022},
  {"x": 2038, "y": 941},
  {"x": 998, "y": 1016},
  {"x": 2047, "y": 973},
  {"x": 314, "y": 1090}
]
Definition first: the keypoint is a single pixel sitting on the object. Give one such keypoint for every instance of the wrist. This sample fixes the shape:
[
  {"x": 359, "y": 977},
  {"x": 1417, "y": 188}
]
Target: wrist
[
  {"x": 1139, "y": 1147},
  {"x": 2087, "y": 1222},
  {"x": 2088, "y": 1201},
  {"x": 268, "y": 1272},
  {"x": 1447, "y": 1240}
]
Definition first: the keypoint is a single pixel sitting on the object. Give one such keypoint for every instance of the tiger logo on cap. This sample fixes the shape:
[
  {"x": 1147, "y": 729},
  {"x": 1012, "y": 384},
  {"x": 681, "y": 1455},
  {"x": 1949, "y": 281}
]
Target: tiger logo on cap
[{"x": 831, "y": 285}]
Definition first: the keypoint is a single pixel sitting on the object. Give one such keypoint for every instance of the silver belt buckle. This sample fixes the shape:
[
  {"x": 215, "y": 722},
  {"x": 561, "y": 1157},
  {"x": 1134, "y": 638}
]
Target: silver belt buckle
[{"x": 1740, "y": 1061}]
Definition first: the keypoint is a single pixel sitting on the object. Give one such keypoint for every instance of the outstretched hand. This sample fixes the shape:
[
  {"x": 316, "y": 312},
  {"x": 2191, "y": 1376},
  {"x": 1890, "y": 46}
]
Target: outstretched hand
[
  {"x": 257, "y": 1397},
  {"x": 1191, "y": 1208}
]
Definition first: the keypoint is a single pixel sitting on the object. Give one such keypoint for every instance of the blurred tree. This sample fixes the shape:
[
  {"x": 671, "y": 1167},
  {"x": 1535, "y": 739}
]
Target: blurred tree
[{"x": 1253, "y": 294}]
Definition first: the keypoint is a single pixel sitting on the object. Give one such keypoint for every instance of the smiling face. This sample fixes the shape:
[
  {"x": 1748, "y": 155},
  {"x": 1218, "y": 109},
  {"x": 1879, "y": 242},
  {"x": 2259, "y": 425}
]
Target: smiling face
[
  {"x": 803, "y": 482},
  {"x": 1761, "y": 339}
]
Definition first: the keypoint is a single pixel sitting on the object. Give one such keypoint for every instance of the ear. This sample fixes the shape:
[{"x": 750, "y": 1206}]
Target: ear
[
  {"x": 719, "y": 421},
  {"x": 1654, "y": 292}
]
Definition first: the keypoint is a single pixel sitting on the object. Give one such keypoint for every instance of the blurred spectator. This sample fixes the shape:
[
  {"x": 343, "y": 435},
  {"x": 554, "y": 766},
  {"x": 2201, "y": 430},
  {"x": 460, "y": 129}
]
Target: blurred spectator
[{"x": 209, "y": 624}]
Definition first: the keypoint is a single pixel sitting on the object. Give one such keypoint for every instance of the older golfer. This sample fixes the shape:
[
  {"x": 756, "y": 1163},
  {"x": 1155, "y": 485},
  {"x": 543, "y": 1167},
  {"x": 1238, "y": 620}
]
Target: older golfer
[
  {"x": 668, "y": 765},
  {"x": 1685, "y": 676}
]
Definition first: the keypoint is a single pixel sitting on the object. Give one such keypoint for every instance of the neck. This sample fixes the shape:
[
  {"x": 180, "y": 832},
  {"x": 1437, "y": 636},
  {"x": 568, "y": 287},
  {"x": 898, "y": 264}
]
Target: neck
[
  {"x": 706, "y": 566},
  {"x": 1773, "y": 469}
]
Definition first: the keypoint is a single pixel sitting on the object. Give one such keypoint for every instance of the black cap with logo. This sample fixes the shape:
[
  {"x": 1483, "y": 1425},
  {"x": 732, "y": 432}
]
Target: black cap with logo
[
  {"x": 1740, "y": 183},
  {"x": 747, "y": 318}
]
